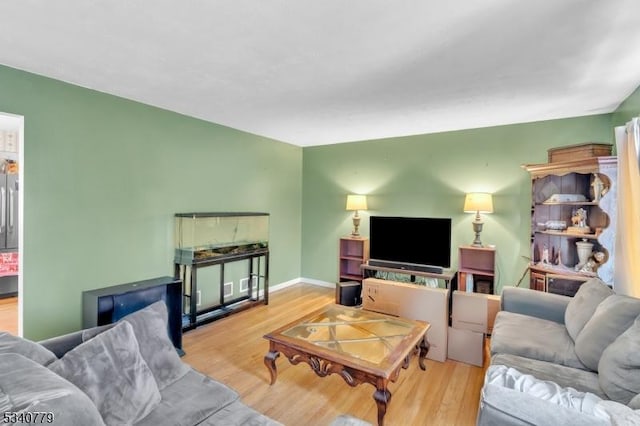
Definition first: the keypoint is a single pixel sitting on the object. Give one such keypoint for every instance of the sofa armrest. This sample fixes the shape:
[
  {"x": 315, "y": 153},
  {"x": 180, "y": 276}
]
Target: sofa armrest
[
  {"x": 534, "y": 303},
  {"x": 503, "y": 406},
  {"x": 60, "y": 345}
]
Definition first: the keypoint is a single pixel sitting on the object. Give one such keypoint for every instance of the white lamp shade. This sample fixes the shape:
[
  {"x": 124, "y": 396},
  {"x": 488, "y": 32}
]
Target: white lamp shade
[
  {"x": 478, "y": 202},
  {"x": 356, "y": 202}
]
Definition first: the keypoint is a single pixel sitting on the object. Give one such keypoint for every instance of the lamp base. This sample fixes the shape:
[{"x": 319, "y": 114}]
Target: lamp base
[
  {"x": 477, "y": 228},
  {"x": 356, "y": 225}
]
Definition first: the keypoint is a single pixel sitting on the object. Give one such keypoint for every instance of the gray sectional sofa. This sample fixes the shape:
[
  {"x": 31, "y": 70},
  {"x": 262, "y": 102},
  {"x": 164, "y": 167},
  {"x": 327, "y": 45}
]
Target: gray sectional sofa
[
  {"x": 561, "y": 360},
  {"x": 126, "y": 373}
]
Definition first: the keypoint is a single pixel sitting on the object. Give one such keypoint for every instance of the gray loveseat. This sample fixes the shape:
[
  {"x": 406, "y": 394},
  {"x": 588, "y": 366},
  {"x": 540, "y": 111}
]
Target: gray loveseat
[
  {"x": 121, "y": 374},
  {"x": 565, "y": 361}
]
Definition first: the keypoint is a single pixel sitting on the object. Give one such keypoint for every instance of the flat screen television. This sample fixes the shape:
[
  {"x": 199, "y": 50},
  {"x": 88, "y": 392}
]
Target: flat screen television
[{"x": 409, "y": 241}]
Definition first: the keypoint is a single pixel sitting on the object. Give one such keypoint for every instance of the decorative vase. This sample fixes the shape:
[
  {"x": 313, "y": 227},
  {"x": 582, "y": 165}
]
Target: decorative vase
[
  {"x": 598, "y": 188},
  {"x": 584, "y": 252}
]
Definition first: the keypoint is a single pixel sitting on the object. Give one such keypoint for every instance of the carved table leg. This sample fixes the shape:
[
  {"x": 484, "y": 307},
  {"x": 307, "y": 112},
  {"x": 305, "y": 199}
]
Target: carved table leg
[
  {"x": 382, "y": 396},
  {"x": 270, "y": 362},
  {"x": 424, "y": 348},
  {"x": 407, "y": 361}
]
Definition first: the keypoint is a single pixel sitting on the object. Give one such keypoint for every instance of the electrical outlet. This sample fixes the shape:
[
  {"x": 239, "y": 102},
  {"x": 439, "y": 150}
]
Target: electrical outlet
[{"x": 199, "y": 298}]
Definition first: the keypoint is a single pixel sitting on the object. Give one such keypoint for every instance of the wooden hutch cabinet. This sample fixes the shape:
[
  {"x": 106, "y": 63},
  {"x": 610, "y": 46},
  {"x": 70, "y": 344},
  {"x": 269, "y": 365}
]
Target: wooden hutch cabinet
[{"x": 572, "y": 222}]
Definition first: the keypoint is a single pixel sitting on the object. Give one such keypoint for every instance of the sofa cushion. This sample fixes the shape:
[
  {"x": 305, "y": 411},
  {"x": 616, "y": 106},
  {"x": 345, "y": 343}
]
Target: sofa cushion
[
  {"x": 190, "y": 400},
  {"x": 619, "y": 366},
  {"x": 547, "y": 390},
  {"x": 150, "y": 327},
  {"x": 534, "y": 338},
  {"x": 612, "y": 317},
  {"x": 584, "y": 304},
  {"x": 31, "y": 388},
  {"x": 500, "y": 405},
  {"x": 35, "y": 352},
  {"x": 111, "y": 371},
  {"x": 582, "y": 380}
]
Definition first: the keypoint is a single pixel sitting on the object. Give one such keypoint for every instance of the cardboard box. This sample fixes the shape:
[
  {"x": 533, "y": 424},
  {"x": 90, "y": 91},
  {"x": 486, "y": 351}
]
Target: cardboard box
[
  {"x": 474, "y": 311},
  {"x": 469, "y": 311},
  {"x": 414, "y": 302},
  {"x": 493, "y": 307},
  {"x": 466, "y": 346}
]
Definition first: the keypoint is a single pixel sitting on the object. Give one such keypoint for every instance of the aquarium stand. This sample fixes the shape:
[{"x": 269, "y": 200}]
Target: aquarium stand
[{"x": 195, "y": 315}]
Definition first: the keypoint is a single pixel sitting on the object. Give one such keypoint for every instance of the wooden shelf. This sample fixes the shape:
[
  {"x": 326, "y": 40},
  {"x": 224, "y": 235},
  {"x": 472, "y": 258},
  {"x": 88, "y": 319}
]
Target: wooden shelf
[
  {"x": 568, "y": 203},
  {"x": 483, "y": 272},
  {"x": 350, "y": 277},
  {"x": 354, "y": 251},
  {"x": 568, "y": 234},
  {"x": 359, "y": 258},
  {"x": 479, "y": 262},
  {"x": 561, "y": 271}
]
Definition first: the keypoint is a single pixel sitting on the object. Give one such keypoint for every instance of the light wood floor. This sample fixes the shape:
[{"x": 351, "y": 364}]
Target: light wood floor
[
  {"x": 231, "y": 350},
  {"x": 9, "y": 315}
]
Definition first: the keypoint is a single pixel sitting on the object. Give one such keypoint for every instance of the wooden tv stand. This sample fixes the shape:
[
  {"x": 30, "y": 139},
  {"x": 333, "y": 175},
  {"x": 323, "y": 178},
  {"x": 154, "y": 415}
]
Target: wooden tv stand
[{"x": 447, "y": 274}]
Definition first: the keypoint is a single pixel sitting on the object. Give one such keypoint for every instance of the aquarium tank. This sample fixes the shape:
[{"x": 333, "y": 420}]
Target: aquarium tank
[{"x": 204, "y": 236}]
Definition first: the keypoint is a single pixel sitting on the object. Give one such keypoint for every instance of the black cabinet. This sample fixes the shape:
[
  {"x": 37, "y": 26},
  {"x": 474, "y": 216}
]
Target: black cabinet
[{"x": 109, "y": 304}]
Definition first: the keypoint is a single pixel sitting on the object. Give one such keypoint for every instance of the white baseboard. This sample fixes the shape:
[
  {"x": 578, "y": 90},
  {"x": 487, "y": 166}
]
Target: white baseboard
[
  {"x": 284, "y": 284},
  {"x": 301, "y": 280},
  {"x": 318, "y": 282}
]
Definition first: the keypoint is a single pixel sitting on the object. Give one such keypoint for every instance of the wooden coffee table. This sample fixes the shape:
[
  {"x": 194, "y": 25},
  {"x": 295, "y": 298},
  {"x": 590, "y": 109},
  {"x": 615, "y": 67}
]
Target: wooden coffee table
[{"x": 360, "y": 346}]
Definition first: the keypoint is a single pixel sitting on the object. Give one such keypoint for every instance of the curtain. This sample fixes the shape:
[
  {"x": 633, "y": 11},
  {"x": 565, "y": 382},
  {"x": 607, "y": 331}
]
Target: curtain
[{"x": 627, "y": 250}]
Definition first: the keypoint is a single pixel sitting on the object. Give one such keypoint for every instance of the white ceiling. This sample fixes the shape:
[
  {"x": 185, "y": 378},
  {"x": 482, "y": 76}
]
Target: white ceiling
[{"x": 321, "y": 72}]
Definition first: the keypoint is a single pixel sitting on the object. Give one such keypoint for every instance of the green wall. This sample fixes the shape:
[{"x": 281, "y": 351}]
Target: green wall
[
  {"x": 428, "y": 175},
  {"x": 627, "y": 110},
  {"x": 103, "y": 177}
]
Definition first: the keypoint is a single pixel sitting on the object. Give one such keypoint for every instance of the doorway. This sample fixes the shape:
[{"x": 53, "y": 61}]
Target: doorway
[{"x": 11, "y": 207}]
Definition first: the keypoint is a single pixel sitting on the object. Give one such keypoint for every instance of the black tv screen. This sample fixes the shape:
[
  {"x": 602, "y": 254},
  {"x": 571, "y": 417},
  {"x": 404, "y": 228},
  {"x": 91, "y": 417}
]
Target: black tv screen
[{"x": 417, "y": 240}]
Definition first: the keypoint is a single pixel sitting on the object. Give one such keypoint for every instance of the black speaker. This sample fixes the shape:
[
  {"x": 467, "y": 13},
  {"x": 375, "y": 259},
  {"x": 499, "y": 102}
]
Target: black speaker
[{"x": 348, "y": 293}]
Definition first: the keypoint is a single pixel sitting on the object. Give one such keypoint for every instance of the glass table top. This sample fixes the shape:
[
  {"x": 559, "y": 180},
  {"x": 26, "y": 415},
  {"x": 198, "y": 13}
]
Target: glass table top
[{"x": 354, "y": 332}]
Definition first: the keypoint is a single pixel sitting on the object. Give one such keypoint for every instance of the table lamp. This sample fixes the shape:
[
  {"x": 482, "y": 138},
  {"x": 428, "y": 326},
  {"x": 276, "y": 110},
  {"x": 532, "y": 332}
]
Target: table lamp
[
  {"x": 478, "y": 202},
  {"x": 356, "y": 202}
]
